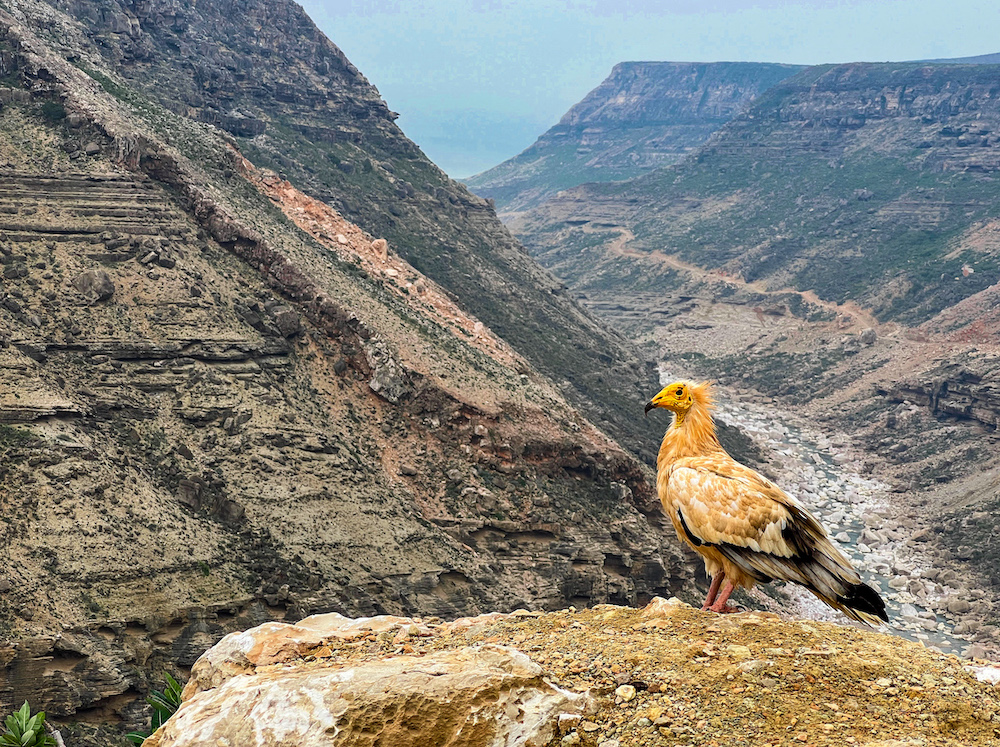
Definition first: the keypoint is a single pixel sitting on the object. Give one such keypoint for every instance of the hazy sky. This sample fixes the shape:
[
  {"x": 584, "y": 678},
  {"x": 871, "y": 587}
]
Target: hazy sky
[{"x": 476, "y": 82}]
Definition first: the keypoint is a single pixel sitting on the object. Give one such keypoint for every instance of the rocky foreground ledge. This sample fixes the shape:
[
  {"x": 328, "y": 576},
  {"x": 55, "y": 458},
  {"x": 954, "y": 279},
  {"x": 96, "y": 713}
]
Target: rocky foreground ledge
[{"x": 603, "y": 677}]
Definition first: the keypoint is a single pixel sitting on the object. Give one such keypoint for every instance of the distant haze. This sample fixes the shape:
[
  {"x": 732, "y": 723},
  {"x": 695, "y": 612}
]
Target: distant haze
[{"x": 476, "y": 83}]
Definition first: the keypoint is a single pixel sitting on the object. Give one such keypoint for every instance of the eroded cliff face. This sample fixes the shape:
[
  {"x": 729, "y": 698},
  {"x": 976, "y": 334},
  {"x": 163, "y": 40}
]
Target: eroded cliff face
[
  {"x": 265, "y": 73},
  {"x": 223, "y": 402},
  {"x": 861, "y": 183},
  {"x": 643, "y": 116}
]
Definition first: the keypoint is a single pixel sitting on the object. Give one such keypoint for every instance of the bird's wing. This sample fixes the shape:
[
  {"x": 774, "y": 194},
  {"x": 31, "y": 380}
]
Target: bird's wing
[{"x": 724, "y": 504}]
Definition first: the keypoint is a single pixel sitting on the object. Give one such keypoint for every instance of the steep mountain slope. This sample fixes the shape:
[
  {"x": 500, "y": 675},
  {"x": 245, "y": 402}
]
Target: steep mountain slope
[
  {"x": 295, "y": 104},
  {"x": 221, "y": 401},
  {"x": 865, "y": 183},
  {"x": 642, "y": 116}
]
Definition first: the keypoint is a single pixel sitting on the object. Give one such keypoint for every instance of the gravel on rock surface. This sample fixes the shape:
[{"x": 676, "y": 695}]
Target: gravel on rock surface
[{"x": 672, "y": 675}]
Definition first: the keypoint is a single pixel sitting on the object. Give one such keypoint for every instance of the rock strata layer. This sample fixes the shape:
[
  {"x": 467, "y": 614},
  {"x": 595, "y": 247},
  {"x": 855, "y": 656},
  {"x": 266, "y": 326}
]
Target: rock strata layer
[
  {"x": 644, "y": 115},
  {"x": 222, "y": 403}
]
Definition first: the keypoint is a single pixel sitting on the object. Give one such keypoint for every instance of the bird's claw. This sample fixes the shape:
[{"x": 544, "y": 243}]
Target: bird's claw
[
  {"x": 723, "y": 610},
  {"x": 727, "y": 610}
]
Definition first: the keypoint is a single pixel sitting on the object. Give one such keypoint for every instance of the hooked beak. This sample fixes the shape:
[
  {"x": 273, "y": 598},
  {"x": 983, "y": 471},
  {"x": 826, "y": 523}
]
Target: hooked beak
[{"x": 649, "y": 406}]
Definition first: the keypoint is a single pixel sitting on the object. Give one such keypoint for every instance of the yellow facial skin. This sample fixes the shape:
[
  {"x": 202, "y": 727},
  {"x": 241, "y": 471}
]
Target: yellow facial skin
[{"x": 675, "y": 397}]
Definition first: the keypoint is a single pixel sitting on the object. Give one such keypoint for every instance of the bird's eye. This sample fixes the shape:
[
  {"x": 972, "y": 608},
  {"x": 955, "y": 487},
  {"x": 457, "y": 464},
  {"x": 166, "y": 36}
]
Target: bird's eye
[{"x": 680, "y": 392}]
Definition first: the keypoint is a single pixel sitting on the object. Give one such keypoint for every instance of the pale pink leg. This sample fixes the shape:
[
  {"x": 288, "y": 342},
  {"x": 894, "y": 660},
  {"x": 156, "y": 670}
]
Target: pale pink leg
[
  {"x": 720, "y": 601},
  {"x": 713, "y": 589}
]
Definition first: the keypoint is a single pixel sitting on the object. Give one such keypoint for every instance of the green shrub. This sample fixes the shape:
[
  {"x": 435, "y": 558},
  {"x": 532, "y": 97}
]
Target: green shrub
[
  {"x": 53, "y": 111},
  {"x": 25, "y": 730},
  {"x": 165, "y": 705},
  {"x": 13, "y": 437}
]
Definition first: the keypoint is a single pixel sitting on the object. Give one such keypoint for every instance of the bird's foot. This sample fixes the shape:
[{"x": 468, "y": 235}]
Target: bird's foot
[
  {"x": 706, "y": 607},
  {"x": 724, "y": 609},
  {"x": 719, "y": 605}
]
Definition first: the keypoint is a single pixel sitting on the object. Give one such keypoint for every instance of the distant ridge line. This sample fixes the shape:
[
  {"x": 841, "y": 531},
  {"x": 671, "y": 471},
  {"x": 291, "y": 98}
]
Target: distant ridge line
[{"x": 982, "y": 59}]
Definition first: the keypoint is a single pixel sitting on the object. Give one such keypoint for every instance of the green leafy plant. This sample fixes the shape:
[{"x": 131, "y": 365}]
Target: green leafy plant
[
  {"x": 165, "y": 705},
  {"x": 25, "y": 730}
]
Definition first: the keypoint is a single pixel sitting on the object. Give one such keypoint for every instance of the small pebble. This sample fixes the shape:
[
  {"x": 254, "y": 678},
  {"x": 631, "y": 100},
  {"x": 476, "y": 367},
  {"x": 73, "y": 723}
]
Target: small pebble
[{"x": 625, "y": 693}]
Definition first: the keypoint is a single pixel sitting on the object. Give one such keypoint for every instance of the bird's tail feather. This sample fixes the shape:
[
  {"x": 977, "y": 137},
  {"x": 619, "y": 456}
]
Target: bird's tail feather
[
  {"x": 850, "y": 595},
  {"x": 863, "y": 603},
  {"x": 830, "y": 575},
  {"x": 827, "y": 575}
]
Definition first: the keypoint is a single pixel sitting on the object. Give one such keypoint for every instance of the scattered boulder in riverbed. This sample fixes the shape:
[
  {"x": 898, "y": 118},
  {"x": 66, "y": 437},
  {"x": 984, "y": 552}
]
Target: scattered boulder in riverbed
[{"x": 958, "y": 606}]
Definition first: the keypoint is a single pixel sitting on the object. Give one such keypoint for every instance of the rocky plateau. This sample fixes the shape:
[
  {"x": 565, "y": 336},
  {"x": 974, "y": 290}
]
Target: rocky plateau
[
  {"x": 604, "y": 677},
  {"x": 643, "y": 116}
]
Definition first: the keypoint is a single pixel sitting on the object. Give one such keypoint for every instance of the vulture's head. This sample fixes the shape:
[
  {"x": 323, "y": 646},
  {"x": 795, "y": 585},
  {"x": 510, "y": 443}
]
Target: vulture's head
[{"x": 681, "y": 396}]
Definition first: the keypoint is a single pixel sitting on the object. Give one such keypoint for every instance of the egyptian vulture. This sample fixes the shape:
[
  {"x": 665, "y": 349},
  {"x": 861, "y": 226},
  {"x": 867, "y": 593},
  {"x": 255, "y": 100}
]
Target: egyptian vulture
[{"x": 746, "y": 528}]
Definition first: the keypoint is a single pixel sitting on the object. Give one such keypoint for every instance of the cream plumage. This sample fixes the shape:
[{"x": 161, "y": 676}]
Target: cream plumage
[{"x": 745, "y": 527}]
